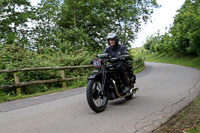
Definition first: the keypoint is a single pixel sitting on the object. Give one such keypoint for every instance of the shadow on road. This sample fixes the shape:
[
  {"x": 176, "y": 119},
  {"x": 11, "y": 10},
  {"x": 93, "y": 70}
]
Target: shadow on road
[{"x": 121, "y": 101}]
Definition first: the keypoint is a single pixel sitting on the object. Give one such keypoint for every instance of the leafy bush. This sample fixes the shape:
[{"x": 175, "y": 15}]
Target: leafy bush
[{"x": 15, "y": 57}]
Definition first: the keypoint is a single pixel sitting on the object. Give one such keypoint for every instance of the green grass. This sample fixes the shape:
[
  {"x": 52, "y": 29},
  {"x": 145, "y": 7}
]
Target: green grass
[
  {"x": 185, "y": 61},
  {"x": 196, "y": 128},
  {"x": 11, "y": 97},
  {"x": 137, "y": 53},
  {"x": 140, "y": 69}
]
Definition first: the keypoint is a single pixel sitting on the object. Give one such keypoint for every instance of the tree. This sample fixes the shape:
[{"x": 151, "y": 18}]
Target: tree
[
  {"x": 194, "y": 32},
  {"x": 183, "y": 37},
  {"x": 186, "y": 28},
  {"x": 97, "y": 18},
  {"x": 14, "y": 15},
  {"x": 44, "y": 34}
]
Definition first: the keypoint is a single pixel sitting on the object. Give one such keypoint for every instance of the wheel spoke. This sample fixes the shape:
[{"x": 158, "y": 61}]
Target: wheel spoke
[
  {"x": 98, "y": 99},
  {"x": 98, "y": 86},
  {"x": 94, "y": 87},
  {"x": 99, "y": 102}
]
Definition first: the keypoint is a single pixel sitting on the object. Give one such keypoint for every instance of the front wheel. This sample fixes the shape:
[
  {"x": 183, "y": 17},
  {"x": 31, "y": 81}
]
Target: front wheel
[{"x": 95, "y": 99}]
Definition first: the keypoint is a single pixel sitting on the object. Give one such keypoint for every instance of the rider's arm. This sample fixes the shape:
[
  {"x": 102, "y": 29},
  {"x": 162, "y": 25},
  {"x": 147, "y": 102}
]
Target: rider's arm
[
  {"x": 124, "y": 54},
  {"x": 106, "y": 50}
]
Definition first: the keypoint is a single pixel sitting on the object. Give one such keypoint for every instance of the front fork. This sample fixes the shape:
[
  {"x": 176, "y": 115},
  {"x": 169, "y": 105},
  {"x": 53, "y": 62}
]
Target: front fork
[{"x": 103, "y": 81}]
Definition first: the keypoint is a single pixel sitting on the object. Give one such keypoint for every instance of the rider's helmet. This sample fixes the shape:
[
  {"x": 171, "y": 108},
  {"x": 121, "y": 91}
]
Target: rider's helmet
[{"x": 112, "y": 36}]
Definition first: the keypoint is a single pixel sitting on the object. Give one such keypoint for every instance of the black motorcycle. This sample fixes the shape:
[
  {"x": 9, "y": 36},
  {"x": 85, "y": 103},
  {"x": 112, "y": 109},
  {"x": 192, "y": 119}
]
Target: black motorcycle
[{"x": 104, "y": 84}]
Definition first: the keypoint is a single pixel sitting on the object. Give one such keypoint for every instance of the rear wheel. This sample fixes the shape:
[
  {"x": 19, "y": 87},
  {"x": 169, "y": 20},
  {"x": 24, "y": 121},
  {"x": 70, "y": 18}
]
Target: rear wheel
[{"x": 96, "y": 100}]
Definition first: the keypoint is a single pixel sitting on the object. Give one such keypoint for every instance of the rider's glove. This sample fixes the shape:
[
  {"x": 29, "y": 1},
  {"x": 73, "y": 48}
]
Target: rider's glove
[
  {"x": 124, "y": 57},
  {"x": 121, "y": 58}
]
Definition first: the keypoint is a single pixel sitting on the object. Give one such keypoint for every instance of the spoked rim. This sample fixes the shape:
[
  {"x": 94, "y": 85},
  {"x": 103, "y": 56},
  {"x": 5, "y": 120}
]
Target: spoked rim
[{"x": 98, "y": 98}]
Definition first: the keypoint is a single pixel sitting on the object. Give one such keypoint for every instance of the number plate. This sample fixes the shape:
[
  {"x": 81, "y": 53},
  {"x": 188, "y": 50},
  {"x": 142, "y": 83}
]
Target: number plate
[{"x": 97, "y": 63}]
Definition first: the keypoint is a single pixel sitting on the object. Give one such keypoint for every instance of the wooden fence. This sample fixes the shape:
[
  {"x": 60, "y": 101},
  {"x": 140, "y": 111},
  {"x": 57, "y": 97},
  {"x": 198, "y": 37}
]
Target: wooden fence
[{"x": 63, "y": 79}]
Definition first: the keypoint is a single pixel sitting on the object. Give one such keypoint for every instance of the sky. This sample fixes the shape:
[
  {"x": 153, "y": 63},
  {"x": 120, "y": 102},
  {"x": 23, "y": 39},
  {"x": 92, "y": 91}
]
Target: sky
[
  {"x": 161, "y": 18},
  {"x": 34, "y": 2}
]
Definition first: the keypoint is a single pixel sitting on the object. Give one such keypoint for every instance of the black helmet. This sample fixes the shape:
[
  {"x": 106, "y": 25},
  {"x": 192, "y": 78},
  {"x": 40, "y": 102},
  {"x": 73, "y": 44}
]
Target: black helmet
[{"x": 112, "y": 36}]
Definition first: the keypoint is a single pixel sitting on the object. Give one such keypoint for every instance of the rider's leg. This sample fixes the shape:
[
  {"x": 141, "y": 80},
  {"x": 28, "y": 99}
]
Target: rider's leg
[{"x": 121, "y": 70}]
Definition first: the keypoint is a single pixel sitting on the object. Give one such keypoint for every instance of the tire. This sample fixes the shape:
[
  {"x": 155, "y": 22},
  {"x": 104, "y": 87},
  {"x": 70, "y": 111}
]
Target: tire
[{"x": 96, "y": 101}]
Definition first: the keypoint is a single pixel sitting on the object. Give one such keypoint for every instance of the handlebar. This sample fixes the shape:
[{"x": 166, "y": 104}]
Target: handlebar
[
  {"x": 112, "y": 60},
  {"x": 103, "y": 56}
]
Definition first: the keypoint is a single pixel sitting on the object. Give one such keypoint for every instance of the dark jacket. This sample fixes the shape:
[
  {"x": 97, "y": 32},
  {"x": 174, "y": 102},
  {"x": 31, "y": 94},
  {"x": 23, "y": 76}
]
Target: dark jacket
[{"x": 118, "y": 51}]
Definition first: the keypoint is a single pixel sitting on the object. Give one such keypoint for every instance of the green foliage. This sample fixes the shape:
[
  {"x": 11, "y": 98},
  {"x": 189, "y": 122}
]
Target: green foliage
[
  {"x": 14, "y": 15},
  {"x": 97, "y": 18},
  {"x": 183, "y": 37},
  {"x": 62, "y": 33},
  {"x": 186, "y": 61},
  {"x": 197, "y": 130},
  {"x": 137, "y": 55},
  {"x": 45, "y": 34},
  {"x": 77, "y": 22},
  {"x": 15, "y": 57}
]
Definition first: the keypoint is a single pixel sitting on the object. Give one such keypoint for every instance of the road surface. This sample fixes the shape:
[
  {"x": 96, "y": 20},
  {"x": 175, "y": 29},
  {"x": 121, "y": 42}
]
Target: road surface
[{"x": 163, "y": 90}]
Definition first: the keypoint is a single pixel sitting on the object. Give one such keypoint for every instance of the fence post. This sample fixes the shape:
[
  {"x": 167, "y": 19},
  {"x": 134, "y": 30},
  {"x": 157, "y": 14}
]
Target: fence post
[
  {"x": 17, "y": 82},
  {"x": 64, "y": 84}
]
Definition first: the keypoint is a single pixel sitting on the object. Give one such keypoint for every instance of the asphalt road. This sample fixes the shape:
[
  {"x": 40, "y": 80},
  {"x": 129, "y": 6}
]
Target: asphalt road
[{"x": 163, "y": 90}]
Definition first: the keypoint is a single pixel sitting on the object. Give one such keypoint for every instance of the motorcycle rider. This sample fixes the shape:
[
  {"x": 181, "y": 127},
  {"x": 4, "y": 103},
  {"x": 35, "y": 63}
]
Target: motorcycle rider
[{"x": 115, "y": 50}]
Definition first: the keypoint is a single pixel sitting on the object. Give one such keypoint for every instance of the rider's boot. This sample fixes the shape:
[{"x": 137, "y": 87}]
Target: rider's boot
[{"x": 127, "y": 84}]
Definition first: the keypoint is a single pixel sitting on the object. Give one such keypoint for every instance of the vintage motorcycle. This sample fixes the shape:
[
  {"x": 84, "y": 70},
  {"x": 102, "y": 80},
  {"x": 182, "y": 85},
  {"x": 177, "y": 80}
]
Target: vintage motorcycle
[{"x": 104, "y": 84}]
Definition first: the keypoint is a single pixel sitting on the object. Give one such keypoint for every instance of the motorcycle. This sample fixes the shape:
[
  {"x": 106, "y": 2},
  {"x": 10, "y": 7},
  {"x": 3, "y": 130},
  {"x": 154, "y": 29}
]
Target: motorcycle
[{"x": 104, "y": 84}]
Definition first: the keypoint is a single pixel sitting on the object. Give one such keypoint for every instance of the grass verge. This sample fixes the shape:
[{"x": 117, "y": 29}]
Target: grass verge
[
  {"x": 185, "y": 61},
  {"x": 6, "y": 98}
]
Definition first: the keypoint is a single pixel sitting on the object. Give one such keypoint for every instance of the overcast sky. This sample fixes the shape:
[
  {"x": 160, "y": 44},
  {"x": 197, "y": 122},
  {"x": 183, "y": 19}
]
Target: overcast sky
[
  {"x": 161, "y": 18},
  {"x": 34, "y": 2}
]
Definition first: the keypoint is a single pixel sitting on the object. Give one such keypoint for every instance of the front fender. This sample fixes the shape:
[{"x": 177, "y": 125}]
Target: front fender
[{"x": 95, "y": 75}]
